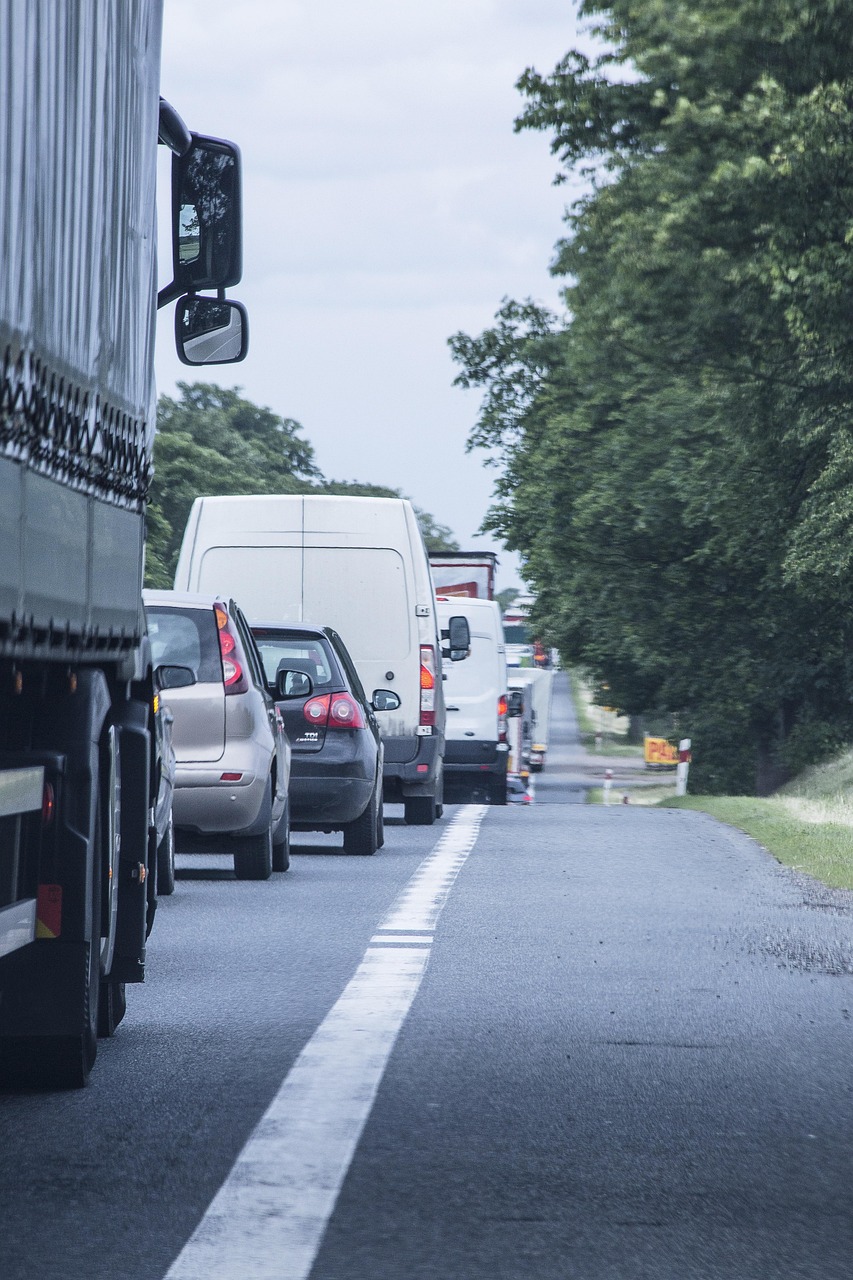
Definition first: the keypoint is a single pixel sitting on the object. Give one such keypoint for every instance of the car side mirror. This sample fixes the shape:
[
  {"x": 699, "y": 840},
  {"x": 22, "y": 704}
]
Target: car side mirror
[
  {"x": 385, "y": 700},
  {"x": 210, "y": 331},
  {"x": 458, "y": 634},
  {"x": 514, "y": 703},
  {"x": 293, "y": 684},
  {"x": 173, "y": 677}
]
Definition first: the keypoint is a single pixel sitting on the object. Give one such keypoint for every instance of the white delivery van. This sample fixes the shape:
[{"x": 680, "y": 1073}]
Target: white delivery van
[
  {"x": 358, "y": 565},
  {"x": 475, "y": 692}
]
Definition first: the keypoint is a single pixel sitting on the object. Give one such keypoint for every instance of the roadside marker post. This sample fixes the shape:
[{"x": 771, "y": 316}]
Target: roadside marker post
[
  {"x": 608, "y": 784},
  {"x": 682, "y": 768}
]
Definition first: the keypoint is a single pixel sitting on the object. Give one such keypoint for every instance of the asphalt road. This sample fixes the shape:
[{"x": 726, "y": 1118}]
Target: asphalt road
[{"x": 630, "y": 1056}]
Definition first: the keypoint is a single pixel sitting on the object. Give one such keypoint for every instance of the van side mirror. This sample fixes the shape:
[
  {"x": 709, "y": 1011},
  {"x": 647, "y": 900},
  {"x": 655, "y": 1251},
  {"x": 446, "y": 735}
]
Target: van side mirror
[
  {"x": 514, "y": 703},
  {"x": 384, "y": 700},
  {"x": 210, "y": 331},
  {"x": 174, "y": 677},
  {"x": 458, "y": 634},
  {"x": 293, "y": 684}
]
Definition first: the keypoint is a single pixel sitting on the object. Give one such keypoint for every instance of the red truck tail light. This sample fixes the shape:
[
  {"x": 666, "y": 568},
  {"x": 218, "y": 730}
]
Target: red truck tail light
[
  {"x": 502, "y": 710},
  {"x": 232, "y": 669},
  {"x": 427, "y": 684}
]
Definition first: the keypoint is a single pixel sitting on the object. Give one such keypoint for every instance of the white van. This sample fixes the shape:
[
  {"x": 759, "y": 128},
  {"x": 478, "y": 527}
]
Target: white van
[
  {"x": 475, "y": 692},
  {"x": 358, "y": 565}
]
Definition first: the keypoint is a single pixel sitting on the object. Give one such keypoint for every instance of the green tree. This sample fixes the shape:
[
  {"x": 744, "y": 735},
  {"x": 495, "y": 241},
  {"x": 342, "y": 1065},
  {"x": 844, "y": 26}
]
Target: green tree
[{"x": 676, "y": 455}]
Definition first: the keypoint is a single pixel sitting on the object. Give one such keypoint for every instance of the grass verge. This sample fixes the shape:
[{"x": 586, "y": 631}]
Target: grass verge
[
  {"x": 799, "y": 833},
  {"x": 589, "y": 717}
]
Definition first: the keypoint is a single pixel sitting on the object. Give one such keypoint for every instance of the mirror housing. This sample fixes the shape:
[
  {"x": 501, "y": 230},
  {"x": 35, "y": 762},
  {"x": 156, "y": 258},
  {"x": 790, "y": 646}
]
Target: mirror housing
[
  {"x": 385, "y": 700},
  {"x": 170, "y": 676},
  {"x": 458, "y": 634},
  {"x": 210, "y": 330},
  {"x": 514, "y": 703},
  {"x": 293, "y": 684}
]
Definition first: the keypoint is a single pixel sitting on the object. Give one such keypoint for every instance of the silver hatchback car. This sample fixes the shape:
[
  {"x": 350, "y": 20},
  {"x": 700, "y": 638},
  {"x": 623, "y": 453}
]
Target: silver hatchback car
[{"x": 233, "y": 755}]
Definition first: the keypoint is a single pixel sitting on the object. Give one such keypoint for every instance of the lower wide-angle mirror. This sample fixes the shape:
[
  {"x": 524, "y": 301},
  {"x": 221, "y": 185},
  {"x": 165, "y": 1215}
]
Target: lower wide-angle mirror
[{"x": 210, "y": 330}]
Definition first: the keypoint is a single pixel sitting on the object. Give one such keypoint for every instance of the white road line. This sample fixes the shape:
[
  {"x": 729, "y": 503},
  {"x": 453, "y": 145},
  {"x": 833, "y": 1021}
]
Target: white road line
[{"x": 268, "y": 1218}]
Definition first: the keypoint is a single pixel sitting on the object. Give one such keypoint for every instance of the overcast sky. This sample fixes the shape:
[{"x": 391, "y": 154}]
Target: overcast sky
[{"x": 387, "y": 205}]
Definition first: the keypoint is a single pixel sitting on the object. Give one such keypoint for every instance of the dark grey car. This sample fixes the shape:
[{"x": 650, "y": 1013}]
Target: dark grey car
[{"x": 336, "y": 761}]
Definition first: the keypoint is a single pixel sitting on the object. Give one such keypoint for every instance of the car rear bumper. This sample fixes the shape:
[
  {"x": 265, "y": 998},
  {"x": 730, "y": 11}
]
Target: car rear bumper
[{"x": 203, "y": 803}]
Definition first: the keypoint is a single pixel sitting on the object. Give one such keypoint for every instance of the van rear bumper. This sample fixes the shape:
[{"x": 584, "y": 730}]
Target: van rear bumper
[
  {"x": 473, "y": 755},
  {"x": 415, "y": 777}
]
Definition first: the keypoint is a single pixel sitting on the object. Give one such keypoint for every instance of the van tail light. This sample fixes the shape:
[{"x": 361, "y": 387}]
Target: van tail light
[
  {"x": 333, "y": 711},
  {"x": 502, "y": 710},
  {"x": 232, "y": 668},
  {"x": 427, "y": 684}
]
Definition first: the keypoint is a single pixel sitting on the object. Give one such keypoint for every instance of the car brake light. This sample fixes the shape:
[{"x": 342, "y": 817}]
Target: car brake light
[
  {"x": 427, "y": 715},
  {"x": 48, "y": 804},
  {"x": 232, "y": 670},
  {"x": 345, "y": 713},
  {"x": 316, "y": 710}
]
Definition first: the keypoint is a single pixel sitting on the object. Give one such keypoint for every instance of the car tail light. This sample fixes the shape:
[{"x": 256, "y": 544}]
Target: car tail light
[
  {"x": 427, "y": 684},
  {"x": 48, "y": 804},
  {"x": 333, "y": 711},
  {"x": 316, "y": 710},
  {"x": 232, "y": 669},
  {"x": 345, "y": 713},
  {"x": 502, "y": 710}
]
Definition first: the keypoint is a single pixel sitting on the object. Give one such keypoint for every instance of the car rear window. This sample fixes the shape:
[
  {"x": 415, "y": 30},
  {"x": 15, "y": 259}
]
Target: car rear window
[
  {"x": 289, "y": 651},
  {"x": 186, "y": 638}
]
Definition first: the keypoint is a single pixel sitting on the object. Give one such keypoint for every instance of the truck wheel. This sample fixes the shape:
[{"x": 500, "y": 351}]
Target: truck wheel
[
  {"x": 497, "y": 791},
  {"x": 281, "y": 842},
  {"x": 420, "y": 811},
  {"x": 360, "y": 836},
  {"x": 166, "y": 862},
  {"x": 253, "y": 857}
]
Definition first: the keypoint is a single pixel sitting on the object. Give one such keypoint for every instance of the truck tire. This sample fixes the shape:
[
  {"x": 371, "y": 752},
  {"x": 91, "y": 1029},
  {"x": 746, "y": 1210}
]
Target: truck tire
[
  {"x": 361, "y": 836},
  {"x": 497, "y": 791},
  {"x": 420, "y": 811},
  {"x": 281, "y": 842},
  {"x": 112, "y": 1006},
  {"x": 166, "y": 862}
]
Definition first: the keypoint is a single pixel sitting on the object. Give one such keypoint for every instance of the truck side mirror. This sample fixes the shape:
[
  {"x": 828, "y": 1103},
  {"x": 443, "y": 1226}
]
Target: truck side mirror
[
  {"x": 210, "y": 331},
  {"x": 207, "y": 235}
]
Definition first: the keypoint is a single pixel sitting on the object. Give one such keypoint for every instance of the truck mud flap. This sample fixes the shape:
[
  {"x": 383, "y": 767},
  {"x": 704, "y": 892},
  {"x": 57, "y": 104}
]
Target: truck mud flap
[{"x": 135, "y": 864}]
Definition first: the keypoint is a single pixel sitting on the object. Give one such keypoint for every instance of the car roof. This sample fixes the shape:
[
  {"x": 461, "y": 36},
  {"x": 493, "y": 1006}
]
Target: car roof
[
  {"x": 304, "y": 628},
  {"x": 187, "y": 599}
]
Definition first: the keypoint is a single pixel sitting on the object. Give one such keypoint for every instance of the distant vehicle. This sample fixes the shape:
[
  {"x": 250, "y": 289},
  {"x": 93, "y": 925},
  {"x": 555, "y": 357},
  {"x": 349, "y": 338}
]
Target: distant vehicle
[
  {"x": 464, "y": 573},
  {"x": 477, "y": 747},
  {"x": 520, "y": 731},
  {"x": 541, "y": 689},
  {"x": 233, "y": 757},
  {"x": 336, "y": 765},
  {"x": 358, "y": 565}
]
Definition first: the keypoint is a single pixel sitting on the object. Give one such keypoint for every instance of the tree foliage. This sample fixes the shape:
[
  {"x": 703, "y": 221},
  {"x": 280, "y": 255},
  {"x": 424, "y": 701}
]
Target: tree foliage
[
  {"x": 213, "y": 441},
  {"x": 676, "y": 453}
]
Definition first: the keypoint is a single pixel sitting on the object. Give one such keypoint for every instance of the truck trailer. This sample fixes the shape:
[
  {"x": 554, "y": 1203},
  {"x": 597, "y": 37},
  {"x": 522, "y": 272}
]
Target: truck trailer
[{"x": 80, "y": 120}]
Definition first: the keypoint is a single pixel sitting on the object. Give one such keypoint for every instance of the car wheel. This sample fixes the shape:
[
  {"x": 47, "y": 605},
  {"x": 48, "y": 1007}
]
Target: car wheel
[
  {"x": 166, "y": 862},
  {"x": 361, "y": 836},
  {"x": 281, "y": 843},
  {"x": 253, "y": 856},
  {"x": 420, "y": 811}
]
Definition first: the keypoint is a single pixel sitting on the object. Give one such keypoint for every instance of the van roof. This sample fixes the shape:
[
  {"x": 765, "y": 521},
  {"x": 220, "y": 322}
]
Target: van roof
[{"x": 318, "y": 513}]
